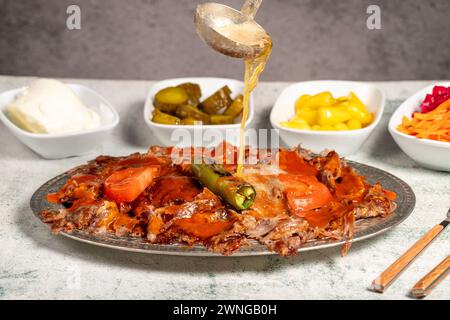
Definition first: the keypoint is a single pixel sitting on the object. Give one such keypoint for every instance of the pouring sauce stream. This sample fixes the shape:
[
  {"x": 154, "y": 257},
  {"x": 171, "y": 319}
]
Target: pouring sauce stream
[{"x": 248, "y": 33}]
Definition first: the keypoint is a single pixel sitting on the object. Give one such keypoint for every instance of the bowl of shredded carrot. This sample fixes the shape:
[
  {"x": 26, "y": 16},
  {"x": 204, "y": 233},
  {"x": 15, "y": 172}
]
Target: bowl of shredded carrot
[{"x": 421, "y": 127}]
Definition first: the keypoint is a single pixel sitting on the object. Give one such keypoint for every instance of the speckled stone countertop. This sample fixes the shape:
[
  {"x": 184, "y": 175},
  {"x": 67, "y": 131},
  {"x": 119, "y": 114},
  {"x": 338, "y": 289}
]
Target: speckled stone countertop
[{"x": 36, "y": 264}]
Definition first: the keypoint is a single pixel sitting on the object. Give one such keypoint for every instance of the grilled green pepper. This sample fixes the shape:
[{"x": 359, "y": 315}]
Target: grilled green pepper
[
  {"x": 219, "y": 100},
  {"x": 234, "y": 191},
  {"x": 167, "y": 100}
]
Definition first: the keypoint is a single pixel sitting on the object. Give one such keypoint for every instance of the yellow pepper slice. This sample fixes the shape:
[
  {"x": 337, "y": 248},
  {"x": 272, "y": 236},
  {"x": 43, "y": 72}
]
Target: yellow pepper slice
[
  {"x": 321, "y": 99},
  {"x": 324, "y": 112},
  {"x": 296, "y": 123},
  {"x": 332, "y": 116},
  {"x": 354, "y": 124},
  {"x": 299, "y": 104},
  {"x": 341, "y": 127},
  {"x": 355, "y": 101},
  {"x": 308, "y": 114},
  {"x": 327, "y": 127}
]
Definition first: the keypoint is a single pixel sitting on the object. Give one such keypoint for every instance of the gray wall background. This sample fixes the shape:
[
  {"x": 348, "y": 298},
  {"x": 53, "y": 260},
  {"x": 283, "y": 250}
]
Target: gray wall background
[{"x": 155, "y": 39}]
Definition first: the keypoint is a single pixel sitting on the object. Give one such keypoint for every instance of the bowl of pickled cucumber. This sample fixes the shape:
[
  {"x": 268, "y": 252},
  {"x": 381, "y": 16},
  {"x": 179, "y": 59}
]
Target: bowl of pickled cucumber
[
  {"x": 320, "y": 115},
  {"x": 196, "y": 111}
]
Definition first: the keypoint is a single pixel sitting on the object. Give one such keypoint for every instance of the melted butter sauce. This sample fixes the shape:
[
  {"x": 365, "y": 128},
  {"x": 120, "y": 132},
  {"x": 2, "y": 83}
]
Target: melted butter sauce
[
  {"x": 251, "y": 34},
  {"x": 253, "y": 69}
]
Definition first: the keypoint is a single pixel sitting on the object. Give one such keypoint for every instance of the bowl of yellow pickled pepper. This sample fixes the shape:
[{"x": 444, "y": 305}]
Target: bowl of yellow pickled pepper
[
  {"x": 337, "y": 115},
  {"x": 324, "y": 112}
]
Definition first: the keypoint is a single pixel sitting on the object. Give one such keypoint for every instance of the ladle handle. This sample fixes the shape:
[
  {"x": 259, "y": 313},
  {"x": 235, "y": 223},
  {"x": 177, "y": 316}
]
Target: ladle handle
[{"x": 250, "y": 8}]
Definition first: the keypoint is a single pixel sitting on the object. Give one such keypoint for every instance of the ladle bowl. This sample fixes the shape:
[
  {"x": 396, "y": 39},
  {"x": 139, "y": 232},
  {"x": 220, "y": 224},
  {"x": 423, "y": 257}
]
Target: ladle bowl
[{"x": 210, "y": 17}]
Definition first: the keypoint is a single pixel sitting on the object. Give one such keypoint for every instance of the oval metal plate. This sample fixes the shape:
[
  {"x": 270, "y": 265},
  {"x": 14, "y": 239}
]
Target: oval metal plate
[{"x": 364, "y": 228}]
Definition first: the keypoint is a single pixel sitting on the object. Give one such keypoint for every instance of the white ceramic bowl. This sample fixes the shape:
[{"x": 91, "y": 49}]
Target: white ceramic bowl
[
  {"x": 427, "y": 153},
  {"x": 56, "y": 146},
  {"x": 344, "y": 142},
  {"x": 190, "y": 135}
]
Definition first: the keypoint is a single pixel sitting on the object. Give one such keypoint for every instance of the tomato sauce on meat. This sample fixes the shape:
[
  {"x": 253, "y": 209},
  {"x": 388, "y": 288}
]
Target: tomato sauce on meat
[{"x": 159, "y": 199}]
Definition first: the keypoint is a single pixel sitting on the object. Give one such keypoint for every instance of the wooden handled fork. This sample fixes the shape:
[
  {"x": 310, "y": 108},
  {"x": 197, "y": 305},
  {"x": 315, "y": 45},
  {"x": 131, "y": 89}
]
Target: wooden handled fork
[
  {"x": 381, "y": 283},
  {"x": 423, "y": 288}
]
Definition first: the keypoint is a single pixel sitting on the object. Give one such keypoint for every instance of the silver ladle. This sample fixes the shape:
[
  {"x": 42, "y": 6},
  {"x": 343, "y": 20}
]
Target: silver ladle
[{"x": 211, "y": 17}]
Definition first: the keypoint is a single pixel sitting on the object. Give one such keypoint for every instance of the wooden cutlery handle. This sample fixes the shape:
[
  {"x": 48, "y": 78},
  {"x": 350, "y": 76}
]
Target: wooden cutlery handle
[
  {"x": 388, "y": 275},
  {"x": 431, "y": 280}
]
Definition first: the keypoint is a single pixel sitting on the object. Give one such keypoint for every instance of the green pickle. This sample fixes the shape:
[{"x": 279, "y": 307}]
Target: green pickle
[
  {"x": 221, "y": 119},
  {"x": 191, "y": 121},
  {"x": 221, "y": 99},
  {"x": 164, "y": 118},
  {"x": 235, "y": 109},
  {"x": 190, "y": 111},
  {"x": 167, "y": 100},
  {"x": 181, "y": 105},
  {"x": 193, "y": 91}
]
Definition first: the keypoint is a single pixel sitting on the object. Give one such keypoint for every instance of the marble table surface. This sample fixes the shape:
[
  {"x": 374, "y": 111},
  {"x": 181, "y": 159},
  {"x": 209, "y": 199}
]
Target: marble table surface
[{"x": 34, "y": 264}]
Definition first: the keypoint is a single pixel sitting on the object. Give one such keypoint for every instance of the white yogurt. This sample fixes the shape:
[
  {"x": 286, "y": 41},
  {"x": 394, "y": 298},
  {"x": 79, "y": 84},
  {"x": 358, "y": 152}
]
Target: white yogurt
[{"x": 49, "y": 106}]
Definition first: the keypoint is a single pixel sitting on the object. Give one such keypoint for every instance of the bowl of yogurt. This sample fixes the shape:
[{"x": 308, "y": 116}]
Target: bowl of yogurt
[{"x": 57, "y": 120}]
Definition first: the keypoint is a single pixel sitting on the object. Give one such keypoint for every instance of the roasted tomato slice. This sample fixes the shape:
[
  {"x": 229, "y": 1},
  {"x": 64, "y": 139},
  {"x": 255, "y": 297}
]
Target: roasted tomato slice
[
  {"x": 304, "y": 193},
  {"x": 126, "y": 185},
  {"x": 291, "y": 162},
  {"x": 352, "y": 186}
]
